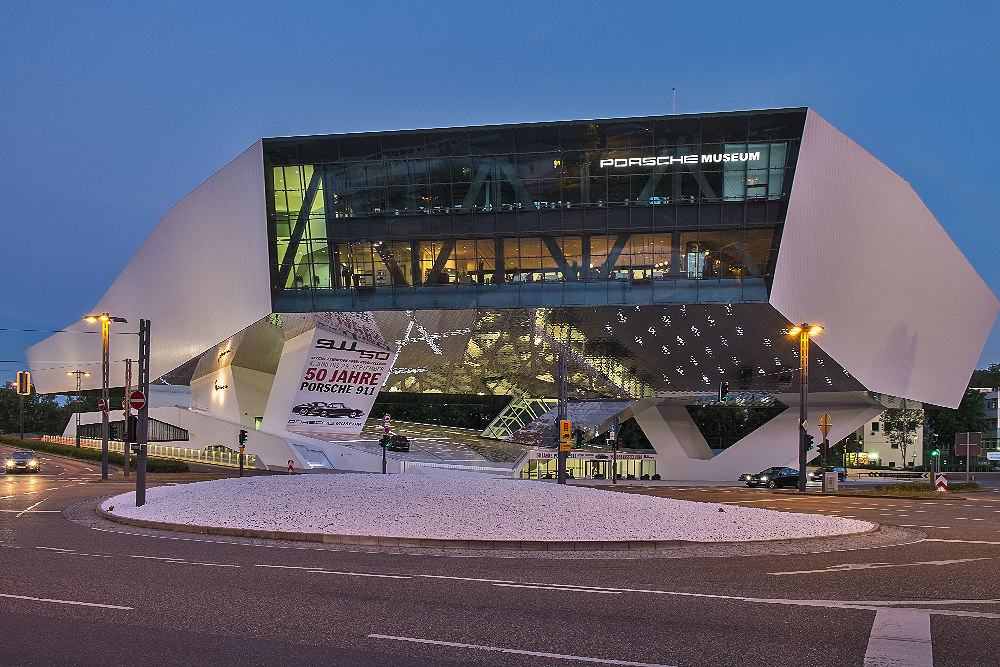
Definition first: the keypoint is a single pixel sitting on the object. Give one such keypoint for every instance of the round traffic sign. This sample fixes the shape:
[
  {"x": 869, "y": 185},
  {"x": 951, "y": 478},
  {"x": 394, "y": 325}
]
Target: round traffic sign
[
  {"x": 137, "y": 400},
  {"x": 386, "y": 420},
  {"x": 101, "y": 406}
]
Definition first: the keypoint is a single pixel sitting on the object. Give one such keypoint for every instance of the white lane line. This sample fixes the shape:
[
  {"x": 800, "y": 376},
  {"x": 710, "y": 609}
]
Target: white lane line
[
  {"x": 20, "y": 512},
  {"x": 497, "y": 649},
  {"x": 848, "y": 567},
  {"x": 73, "y": 602},
  {"x": 319, "y": 570},
  {"x": 182, "y": 561},
  {"x": 574, "y": 589},
  {"x": 960, "y": 541},
  {"x": 900, "y": 638}
]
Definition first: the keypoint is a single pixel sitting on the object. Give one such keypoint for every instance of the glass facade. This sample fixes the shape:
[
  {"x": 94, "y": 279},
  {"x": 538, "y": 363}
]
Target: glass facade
[{"x": 670, "y": 209}]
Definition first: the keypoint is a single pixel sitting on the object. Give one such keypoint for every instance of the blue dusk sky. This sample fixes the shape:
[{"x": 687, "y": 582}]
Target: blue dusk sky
[{"x": 111, "y": 112}]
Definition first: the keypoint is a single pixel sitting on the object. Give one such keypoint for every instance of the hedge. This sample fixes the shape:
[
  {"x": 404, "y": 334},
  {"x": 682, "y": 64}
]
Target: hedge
[{"x": 89, "y": 454}]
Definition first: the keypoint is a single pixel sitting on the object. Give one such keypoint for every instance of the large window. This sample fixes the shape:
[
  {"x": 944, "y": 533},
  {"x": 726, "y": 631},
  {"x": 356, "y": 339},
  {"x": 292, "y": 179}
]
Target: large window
[{"x": 637, "y": 200}]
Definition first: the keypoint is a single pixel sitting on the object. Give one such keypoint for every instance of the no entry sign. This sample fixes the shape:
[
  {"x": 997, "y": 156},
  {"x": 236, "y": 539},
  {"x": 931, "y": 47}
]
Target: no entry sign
[{"x": 137, "y": 400}]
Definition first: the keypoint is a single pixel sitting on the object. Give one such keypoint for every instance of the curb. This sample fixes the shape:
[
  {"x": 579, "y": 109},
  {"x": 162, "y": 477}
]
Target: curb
[{"x": 469, "y": 545}]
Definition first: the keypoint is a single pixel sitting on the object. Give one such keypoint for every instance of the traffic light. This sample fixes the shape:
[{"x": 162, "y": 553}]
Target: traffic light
[
  {"x": 384, "y": 440},
  {"x": 131, "y": 426},
  {"x": 23, "y": 382},
  {"x": 243, "y": 437},
  {"x": 723, "y": 391},
  {"x": 809, "y": 442}
]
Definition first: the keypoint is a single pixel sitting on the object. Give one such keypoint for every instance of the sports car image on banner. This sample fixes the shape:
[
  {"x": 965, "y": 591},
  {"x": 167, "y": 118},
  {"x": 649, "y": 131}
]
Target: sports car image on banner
[{"x": 339, "y": 383}]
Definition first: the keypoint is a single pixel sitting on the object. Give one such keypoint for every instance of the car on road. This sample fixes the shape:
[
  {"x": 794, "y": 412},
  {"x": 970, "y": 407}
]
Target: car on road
[
  {"x": 754, "y": 480},
  {"x": 817, "y": 474},
  {"x": 320, "y": 409},
  {"x": 774, "y": 478},
  {"x": 398, "y": 443},
  {"x": 22, "y": 460}
]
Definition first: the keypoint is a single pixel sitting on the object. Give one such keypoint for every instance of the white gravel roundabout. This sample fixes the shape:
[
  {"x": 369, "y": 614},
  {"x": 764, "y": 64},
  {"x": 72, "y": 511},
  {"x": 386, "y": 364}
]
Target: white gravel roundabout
[{"x": 463, "y": 509}]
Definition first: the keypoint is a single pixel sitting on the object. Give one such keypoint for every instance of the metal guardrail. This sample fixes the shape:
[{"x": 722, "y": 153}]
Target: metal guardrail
[
  {"x": 166, "y": 452},
  {"x": 453, "y": 466}
]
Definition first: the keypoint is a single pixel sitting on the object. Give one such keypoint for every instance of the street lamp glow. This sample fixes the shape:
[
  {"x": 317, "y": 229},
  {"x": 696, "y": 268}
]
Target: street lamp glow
[{"x": 804, "y": 331}]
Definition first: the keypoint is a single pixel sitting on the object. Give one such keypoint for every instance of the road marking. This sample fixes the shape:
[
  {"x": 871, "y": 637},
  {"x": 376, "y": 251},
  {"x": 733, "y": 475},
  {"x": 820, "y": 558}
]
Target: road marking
[
  {"x": 846, "y": 567},
  {"x": 961, "y": 541},
  {"x": 900, "y": 637},
  {"x": 497, "y": 649},
  {"x": 319, "y": 570},
  {"x": 31, "y": 508},
  {"x": 574, "y": 589},
  {"x": 73, "y": 602},
  {"x": 20, "y": 512}
]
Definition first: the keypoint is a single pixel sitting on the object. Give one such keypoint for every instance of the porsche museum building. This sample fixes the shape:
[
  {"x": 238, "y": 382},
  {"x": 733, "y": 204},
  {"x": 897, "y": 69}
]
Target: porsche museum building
[{"x": 658, "y": 255}]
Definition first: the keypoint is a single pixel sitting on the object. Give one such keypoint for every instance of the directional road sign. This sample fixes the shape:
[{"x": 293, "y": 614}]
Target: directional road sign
[{"x": 824, "y": 424}]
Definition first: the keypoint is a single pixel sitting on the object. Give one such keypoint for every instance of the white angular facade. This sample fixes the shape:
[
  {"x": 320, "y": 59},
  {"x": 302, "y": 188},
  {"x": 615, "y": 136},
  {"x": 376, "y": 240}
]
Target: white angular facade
[{"x": 661, "y": 255}]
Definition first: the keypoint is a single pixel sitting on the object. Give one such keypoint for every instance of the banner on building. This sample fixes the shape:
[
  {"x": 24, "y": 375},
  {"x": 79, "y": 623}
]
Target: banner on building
[{"x": 339, "y": 383}]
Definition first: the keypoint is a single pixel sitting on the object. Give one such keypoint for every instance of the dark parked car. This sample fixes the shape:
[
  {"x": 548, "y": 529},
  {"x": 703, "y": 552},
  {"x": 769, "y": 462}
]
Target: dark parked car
[
  {"x": 399, "y": 443},
  {"x": 773, "y": 478},
  {"x": 320, "y": 409},
  {"x": 817, "y": 474},
  {"x": 754, "y": 480},
  {"x": 23, "y": 460}
]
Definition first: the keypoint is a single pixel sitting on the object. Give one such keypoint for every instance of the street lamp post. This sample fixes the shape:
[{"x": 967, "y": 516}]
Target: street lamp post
[
  {"x": 803, "y": 331},
  {"x": 105, "y": 321},
  {"x": 77, "y": 400}
]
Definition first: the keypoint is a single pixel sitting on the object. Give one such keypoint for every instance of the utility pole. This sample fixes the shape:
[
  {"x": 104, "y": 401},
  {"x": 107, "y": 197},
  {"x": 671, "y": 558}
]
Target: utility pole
[
  {"x": 23, "y": 389},
  {"x": 127, "y": 411},
  {"x": 803, "y": 331},
  {"x": 105, "y": 426},
  {"x": 76, "y": 401},
  {"x": 105, "y": 320},
  {"x": 142, "y": 425},
  {"x": 613, "y": 436},
  {"x": 562, "y": 416}
]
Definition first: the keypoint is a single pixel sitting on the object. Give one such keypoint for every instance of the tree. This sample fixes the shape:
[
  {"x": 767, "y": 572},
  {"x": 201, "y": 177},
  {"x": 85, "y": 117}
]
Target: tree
[
  {"x": 968, "y": 418},
  {"x": 900, "y": 426},
  {"x": 42, "y": 414},
  {"x": 986, "y": 377}
]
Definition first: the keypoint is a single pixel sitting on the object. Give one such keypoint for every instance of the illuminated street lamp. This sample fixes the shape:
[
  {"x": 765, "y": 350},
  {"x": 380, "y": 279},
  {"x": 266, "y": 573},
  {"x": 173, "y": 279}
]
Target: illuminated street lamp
[
  {"x": 77, "y": 400},
  {"x": 803, "y": 331},
  {"x": 105, "y": 321}
]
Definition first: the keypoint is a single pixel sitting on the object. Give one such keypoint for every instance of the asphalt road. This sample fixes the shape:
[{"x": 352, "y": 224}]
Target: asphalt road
[{"x": 78, "y": 590}]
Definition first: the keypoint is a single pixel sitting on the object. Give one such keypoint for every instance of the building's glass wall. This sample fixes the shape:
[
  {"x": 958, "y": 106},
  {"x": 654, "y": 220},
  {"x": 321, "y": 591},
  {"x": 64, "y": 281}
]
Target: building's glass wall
[{"x": 518, "y": 207}]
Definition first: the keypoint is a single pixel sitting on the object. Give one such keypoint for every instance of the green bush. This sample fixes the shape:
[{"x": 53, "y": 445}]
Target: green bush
[
  {"x": 656, "y": 476},
  {"x": 89, "y": 454}
]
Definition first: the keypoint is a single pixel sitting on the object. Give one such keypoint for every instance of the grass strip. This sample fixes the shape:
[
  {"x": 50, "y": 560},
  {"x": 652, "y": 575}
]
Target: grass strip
[{"x": 912, "y": 490}]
